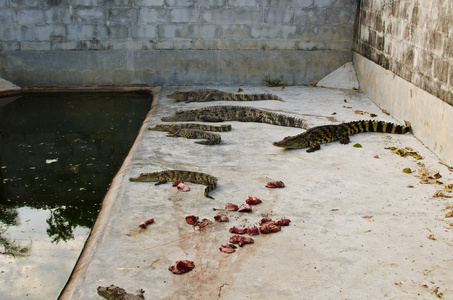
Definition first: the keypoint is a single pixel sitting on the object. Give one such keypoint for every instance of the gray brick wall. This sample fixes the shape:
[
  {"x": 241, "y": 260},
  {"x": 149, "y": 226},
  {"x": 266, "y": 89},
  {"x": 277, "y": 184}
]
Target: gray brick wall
[
  {"x": 214, "y": 24},
  {"x": 155, "y": 25},
  {"x": 413, "y": 39}
]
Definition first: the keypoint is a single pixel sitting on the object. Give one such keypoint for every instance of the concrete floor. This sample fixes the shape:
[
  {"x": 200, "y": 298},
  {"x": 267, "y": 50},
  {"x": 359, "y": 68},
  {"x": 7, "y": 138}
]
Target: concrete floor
[{"x": 360, "y": 227}]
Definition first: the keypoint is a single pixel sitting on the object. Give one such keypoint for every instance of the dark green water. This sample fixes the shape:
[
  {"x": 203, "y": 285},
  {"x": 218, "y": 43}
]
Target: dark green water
[{"x": 58, "y": 156}]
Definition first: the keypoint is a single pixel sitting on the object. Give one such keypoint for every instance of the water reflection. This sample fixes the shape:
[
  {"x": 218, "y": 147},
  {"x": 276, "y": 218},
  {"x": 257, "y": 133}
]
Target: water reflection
[{"x": 58, "y": 155}]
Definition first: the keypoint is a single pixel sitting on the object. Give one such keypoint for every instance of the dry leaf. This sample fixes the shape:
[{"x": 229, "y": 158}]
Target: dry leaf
[
  {"x": 441, "y": 194},
  {"x": 449, "y": 187},
  {"x": 407, "y": 170},
  {"x": 405, "y": 152}
]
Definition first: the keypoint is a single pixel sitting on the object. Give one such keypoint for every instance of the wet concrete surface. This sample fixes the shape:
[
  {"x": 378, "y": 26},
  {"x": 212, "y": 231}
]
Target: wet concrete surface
[{"x": 360, "y": 227}]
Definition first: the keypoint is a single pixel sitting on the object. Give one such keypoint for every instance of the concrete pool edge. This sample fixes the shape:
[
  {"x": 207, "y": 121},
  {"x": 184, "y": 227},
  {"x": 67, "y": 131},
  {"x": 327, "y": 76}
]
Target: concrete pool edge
[
  {"x": 71, "y": 285},
  {"x": 8, "y": 89}
]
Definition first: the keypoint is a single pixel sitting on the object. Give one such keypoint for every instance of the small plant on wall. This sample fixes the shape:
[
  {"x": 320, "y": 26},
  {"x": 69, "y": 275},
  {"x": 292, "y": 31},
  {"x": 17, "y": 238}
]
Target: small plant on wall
[{"x": 268, "y": 81}]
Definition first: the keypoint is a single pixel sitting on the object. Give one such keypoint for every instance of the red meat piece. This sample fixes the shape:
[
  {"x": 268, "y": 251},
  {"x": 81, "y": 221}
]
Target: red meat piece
[
  {"x": 270, "y": 228},
  {"x": 245, "y": 208},
  {"x": 238, "y": 230},
  {"x": 275, "y": 184},
  {"x": 282, "y": 222},
  {"x": 191, "y": 220},
  {"x": 253, "y": 200},
  {"x": 183, "y": 187},
  {"x": 182, "y": 266},
  {"x": 265, "y": 221},
  {"x": 145, "y": 223},
  {"x": 176, "y": 183},
  {"x": 241, "y": 240},
  {"x": 253, "y": 231},
  {"x": 231, "y": 207},
  {"x": 227, "y": 248},
  {"x": 221, "y": 218}
]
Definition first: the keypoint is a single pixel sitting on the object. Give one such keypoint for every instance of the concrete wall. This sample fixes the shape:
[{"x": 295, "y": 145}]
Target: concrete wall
[
  {"x": 431, "y": 118},
  {"x": 411, "y": 38},
  {"x": 173, "y": 41}
]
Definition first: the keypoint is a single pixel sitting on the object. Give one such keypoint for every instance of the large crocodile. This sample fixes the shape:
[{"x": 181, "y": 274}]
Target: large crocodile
[
  {"x": 315, "y": 136},
  {"x": 235, "y": 113},
  {"x": 116, "y": 293},
  {"x": 205, "y": 95},
  {"x": 173, "y": 175}
]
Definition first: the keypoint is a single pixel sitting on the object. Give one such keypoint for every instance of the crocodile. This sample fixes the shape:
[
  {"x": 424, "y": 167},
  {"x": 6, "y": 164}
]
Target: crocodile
[
  {"x": 205, "y": 95},
  {"x": 210, "y": 138},
  {"x": 194, "y": 131},
  {"x": 315, "y": 136},
  {"x": 116, "y": 293},
  {"x": 235, "y": 113},
  {"x": 173, "y": 127},
  {"x": 173, "y": 175}
]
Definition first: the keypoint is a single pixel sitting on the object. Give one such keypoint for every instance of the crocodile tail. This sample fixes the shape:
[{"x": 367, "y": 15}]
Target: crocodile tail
[
  {"x": 210, "y": 141},
  {"x": 251, "y": 97},
  {"x": 283, "y": 120},
  {"x": 375, "y": 126},
  {"x": 221, "y": 128}
]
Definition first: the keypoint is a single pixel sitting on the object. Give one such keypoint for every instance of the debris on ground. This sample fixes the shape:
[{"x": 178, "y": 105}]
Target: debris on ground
[{"x": 403, "y": 152}]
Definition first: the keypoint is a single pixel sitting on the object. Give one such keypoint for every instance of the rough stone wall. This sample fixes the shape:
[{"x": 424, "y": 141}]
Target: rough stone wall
[
  {"x": 46, "y": 26},
  {"x": 413, "y": 39}
]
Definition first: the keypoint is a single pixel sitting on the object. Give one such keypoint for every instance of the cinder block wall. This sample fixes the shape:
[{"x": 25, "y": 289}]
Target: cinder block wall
[
  {"x": 92, "y": 42},
  {"x": 411, "y": 38}
]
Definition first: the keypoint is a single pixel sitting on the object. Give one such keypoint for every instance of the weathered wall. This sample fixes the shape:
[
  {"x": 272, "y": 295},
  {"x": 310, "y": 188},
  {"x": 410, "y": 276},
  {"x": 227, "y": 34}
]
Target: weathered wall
[
  {"x": 411, "y": 38},
  {"x": 152, "y": 41},
  {"x": 430, "y": 117}
]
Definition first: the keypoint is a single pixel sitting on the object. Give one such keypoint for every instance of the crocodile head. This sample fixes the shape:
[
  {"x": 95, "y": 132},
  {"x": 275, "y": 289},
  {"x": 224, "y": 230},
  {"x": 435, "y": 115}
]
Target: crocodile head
[
  {"x": 111, "y": 292},
  {"x": 160, "y": 127},
  {"x": 178, "y": 96},
  {"x": 146, "y": 177},
  {"x": 293, "y": 142}
]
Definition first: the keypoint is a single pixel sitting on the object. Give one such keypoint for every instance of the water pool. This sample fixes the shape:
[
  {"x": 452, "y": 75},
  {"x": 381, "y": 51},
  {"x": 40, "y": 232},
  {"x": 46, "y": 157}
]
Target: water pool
[{"x": 58, "y": 155}]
